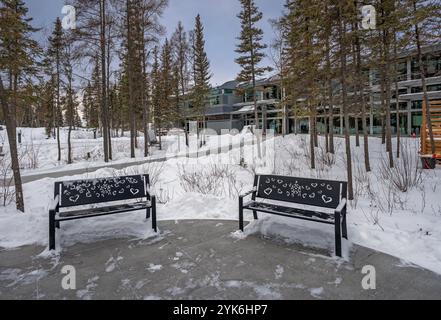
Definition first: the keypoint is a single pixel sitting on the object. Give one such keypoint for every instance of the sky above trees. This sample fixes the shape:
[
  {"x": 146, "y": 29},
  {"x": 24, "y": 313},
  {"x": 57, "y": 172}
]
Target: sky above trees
[{"x": 218, "y": 16}]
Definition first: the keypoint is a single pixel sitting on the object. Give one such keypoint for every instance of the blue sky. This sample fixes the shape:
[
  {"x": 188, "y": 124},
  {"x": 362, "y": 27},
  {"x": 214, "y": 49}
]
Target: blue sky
[{"x": 218, "y": 16}]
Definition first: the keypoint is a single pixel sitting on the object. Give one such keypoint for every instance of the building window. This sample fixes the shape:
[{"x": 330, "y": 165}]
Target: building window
[
  {"x": 402, "y": 70},
  {"x": 432, "y": 64},
  {"x": 417, "y": 105},
  {"x": 403, "y": 106},
  {"x": 417, "y": 120},
  {"x": 215, "y": 101},
  {"x": 376, "y": 77}
]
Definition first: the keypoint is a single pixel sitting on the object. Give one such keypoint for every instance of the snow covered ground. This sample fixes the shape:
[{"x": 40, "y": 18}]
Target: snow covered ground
[
  {"x": 39, "y": 154},
  {"x": 404, "y": 224}
]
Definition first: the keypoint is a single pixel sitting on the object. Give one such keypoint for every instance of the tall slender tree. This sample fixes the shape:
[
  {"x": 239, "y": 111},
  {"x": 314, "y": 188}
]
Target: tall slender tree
[
  {"x": 250, "y": 50},
  {"x": 343, "y": 50},
  {"x": 18, "y": 56},
  {"x": 54, "y": 53},
  {"x": 202, "y": 74},
  {"x": 181, "y": 52}
]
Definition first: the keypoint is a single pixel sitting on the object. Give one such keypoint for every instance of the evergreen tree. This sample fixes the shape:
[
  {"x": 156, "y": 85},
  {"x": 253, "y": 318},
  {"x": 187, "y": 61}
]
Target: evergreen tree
[
  {"x": 250, "y": 49},
  {"x": 181, "y": 53},
  {"x": 54, "y": 55},
  {"x": 202, "y": 75},
  {"x": 18, "y": 55}
]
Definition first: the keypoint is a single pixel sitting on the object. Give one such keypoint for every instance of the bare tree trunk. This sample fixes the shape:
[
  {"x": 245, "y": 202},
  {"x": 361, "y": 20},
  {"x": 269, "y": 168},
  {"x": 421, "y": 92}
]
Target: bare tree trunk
[
  {"x": 326, "y": 130},
  {"x": 256, "y": 118},
  {"x": 130, "y": 72},
  {"x": 9, "y": 114},
  {"x": 361, "y": 86},
  {"x": 383, "y": 110},
  {"x": 69, "y": 145},
  {"x": 144, "y": 103},
  {"x": 357, "y": 133},
  {"x": 312, "y": 135},
  {"x": 58, "y": 111},
  {"x": 341, "y": 28},
  {"x": 104, "y": 104},
  {"x": 109, "y": 117},
  {"x": 330, "y": 99},
  {"x": 397, "y": 94},
  {"x": 388, "y": 100},
  {"x": 316, "y": 142},
  {"x": 70, "y": 119}
]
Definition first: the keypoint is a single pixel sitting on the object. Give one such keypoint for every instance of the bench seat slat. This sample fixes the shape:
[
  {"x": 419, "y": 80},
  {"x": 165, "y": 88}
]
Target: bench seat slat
[
  {"x": 101, "y": 211},
  {"x": 291, "y": 212}
]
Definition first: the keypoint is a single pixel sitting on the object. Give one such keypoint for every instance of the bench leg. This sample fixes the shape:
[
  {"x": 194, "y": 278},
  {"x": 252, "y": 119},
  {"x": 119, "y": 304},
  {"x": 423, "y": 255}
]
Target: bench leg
[
  {"x": 338, "y": 236},
  {"x": 57, "y": 224},
  {"x": 345, "y": 227},
  {"x": 255, "y": 215},
  {"x": 52, "y": 230},
  {"x": 154, "y": 225},
  {"x": 241, "y": 214},
  {"x": 147, "y": 216}
]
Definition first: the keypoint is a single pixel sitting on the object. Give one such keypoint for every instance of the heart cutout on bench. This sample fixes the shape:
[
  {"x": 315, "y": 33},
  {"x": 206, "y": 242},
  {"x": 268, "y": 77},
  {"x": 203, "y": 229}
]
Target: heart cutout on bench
[
  {"x": 326, "y": 199},
  {"x": 74, "y": 198},
  {"x": 268, "y": 191},
  {"x": 134, "y": 191}
]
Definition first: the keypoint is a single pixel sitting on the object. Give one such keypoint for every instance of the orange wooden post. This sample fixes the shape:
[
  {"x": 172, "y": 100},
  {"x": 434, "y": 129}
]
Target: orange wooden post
[{"x": 424, "y": 129}]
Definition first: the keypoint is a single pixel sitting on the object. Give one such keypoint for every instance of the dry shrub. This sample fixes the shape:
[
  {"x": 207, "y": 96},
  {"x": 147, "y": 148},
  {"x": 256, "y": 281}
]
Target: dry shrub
[
  {"x": 213, "y": 179},
  {"x": 406, "y": 174}
]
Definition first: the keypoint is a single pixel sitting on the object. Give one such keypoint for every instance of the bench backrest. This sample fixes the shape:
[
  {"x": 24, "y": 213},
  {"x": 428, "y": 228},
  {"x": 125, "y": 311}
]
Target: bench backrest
[
  {"x": 319, "y": 193},
  {"x": 94, "y": 191}
]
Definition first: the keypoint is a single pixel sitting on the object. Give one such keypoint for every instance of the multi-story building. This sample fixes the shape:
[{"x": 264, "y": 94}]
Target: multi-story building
[{"x": 231, "y": 105}]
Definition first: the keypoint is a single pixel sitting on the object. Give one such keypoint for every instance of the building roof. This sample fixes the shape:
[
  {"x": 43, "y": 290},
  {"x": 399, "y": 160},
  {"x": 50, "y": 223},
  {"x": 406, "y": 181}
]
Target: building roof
[{"x": 229, "y": 85}]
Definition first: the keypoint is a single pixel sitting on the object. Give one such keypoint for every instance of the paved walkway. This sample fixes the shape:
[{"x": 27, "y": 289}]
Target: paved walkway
[
  {"x": 36, "y": 175},
  {"x": 201, "y": 260}
]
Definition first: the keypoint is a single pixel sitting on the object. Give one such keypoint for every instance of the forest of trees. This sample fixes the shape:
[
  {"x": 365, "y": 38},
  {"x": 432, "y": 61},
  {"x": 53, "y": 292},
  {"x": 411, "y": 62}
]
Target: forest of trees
[
  {"x": 116, "y": 71},
  {"x": 326, "y": 56}
]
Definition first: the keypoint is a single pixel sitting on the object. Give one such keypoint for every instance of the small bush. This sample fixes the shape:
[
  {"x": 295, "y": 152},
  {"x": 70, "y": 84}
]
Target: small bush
[
  {"x": 214, "y": 179},
  {"x": 406, "y": 173}
]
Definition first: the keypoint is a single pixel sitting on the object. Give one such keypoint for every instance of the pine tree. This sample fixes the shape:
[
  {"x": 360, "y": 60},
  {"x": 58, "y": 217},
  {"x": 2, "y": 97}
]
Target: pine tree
[
  {"x": 250, "y": 49},
  {"x": 181, "y": 53},
  {"x": 304, "y": 56},
  {"x": 94, "y": 35},
  {"x": 202, "y": 75},
  {"x": 70, "y": 99},
  {"x": 18, "y": 54},
  {"x": 54, "y": 53},
  {"x": 48, "y": 101},
  {"x": 149, "y": 30}
]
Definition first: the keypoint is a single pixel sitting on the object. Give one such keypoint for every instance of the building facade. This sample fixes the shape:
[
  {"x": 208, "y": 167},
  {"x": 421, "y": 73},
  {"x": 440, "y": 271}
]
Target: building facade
[{"x": 231, "y": 105}]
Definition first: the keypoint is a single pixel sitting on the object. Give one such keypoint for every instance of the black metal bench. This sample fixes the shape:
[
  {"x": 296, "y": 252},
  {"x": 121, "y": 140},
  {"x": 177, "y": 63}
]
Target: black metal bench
[
  {"x": 309, "y": 192},
  {"x": 126, "y": 190}
]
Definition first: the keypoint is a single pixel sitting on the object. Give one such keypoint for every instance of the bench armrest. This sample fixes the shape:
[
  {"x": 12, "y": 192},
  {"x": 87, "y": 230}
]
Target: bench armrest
[
  {"x": 55, "y": 205},
  {"x": 341, "y": 206},
  {"x": 248, "y": 193}
]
